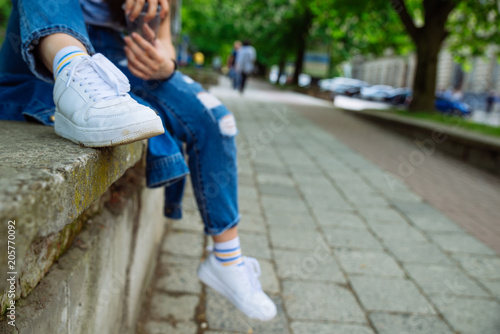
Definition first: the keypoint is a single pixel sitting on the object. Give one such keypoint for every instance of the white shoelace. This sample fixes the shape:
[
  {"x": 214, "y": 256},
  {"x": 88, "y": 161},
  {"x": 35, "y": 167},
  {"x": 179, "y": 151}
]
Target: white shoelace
[
  {"x": 100, "y": 77},
  {"x": 252, "y": 267}
]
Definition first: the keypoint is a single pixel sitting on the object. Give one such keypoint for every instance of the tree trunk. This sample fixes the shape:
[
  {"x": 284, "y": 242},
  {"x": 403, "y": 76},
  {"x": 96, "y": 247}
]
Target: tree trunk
[
  {"x": 428, "y": 40},
  {"x": 302, "y": 44},
  {"x": 424, "y": 84}
]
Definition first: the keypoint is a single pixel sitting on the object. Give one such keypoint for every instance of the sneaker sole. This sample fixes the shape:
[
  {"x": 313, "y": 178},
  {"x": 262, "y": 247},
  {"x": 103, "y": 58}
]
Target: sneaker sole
[
  {"x": 215, "y": 283},
  {"x": 109, "y": 137}
]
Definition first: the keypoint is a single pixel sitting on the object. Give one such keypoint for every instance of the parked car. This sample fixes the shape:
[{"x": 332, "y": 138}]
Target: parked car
[
  {"x": 453, "y": 107},
  {"x": 376, "y": 92},
  {"x": 304, "y": 80},
  {"x": 399, "y": 96},
  {"x": 342, "y": 86},
  {"x": 273, "y": 76}
]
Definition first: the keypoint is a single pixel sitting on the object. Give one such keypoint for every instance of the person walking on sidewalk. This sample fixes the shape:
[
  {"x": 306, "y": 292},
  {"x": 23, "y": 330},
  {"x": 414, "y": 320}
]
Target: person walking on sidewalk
[
  {"x": 245, "y": 63},
  {"x": 105, "y": 89},
  {"x": 231, "y": 62}
]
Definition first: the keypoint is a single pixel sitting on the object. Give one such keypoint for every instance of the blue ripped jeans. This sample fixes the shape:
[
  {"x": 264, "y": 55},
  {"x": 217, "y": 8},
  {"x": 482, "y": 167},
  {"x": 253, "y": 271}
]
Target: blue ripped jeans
[{"x": 190, "y": 115}]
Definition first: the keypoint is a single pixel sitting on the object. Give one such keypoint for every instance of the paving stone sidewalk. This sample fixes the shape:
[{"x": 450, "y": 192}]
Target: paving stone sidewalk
[{"x": 343, "y": 247}]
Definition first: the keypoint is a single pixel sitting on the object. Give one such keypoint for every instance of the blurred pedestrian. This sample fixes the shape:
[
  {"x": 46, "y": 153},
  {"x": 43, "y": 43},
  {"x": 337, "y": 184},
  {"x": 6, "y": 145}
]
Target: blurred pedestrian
[
  {"x": 199, "y": 59},
  {"x": 490, "y": 100},
  {"x": 231, "y": 64},
  {"x": 245, "y": 62},
  {"x": 217, "y": 63}
]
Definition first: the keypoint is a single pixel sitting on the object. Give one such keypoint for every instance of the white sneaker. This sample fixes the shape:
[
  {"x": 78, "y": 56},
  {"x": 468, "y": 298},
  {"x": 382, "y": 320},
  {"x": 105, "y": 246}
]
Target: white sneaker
[
  {"x": 93, "y": 107},
  {"x": 239, "y": 284}
]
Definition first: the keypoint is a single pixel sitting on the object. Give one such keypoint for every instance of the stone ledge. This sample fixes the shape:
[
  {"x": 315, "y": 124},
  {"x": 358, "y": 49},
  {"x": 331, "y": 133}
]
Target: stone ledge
[
  {"x": 479, "y": 150},
  {"x": 46, "y": 182}
]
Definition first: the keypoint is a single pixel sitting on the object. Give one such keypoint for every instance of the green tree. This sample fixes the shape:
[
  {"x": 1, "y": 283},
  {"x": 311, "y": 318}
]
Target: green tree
[{"x": 467, "y": 26}]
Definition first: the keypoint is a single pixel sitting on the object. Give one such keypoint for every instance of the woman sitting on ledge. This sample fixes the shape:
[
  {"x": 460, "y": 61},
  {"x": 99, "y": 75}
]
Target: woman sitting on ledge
[{"x": 68, "y": 64}]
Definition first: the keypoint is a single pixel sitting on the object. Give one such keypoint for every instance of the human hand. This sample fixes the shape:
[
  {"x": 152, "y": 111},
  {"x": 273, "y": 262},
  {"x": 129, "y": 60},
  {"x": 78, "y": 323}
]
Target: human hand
[
  {"x": 133, "y": 9},
  {"x": 148, "y": 60}
]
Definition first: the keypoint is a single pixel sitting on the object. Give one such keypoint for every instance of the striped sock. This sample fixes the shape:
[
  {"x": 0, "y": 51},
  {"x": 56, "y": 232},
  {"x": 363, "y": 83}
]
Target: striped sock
[
  {"x": 229, "y": 252},
  {"x": 64, "y": 57}
]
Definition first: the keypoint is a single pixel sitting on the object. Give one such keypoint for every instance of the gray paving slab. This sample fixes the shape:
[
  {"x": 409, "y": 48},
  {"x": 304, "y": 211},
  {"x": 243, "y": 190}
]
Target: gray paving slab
[
  {"x": 275, "y": 179},
  {"x": 334, "y": 204},
  {"x": 180, "y": 274},
  {"x": 426, "y": 253},
  {"x": 361, "y": 239},
  {"x": 285, "y": 220},
  {"x": 482, "y": 267},
  {"x": 246, "y": 180},
  {"x": 280, "y": 205},
  {"x": 183, "y": 243},
  {"x": 321, "y": 301},
  {"x": 342, "y": 219},
  {"x": 246, "y": 192},
  {"x": 162, "y": 327},
  {"x": 296, "y": 238},
  {"x": 322, "y": 328},
  {"x": 493, "y": 287},
  {"x": 400, "y": 232},
  {"x": 469, "y": 316},
  {"x": 408, "y": 324},
  {"x": 364, "y": 200},
  {"x": 180, "y": 308},
  {"x": 390, "y": 295},
  {"x": 252, "y": 223},
  {"x": 255, "y": 245},
  {"x": 318, "y": 265},
  {"x": 222, "y": 315},
  {"x": 382, "y": 215},
  {"x": 250, "y": 206},
  {"x": 460, "y": 243},
  {"x": 278, "y": 190},
  {"x": 368, "y": 263},
  {"x": 191, "y": 221},
  {"x": 268, "y": 277},
  {"x": 444, "y": 280}
]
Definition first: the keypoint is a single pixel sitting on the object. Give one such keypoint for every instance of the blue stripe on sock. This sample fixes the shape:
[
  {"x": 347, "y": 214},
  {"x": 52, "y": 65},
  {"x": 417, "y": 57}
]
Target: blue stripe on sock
[
  {"x": 66, "y": 55},
  {"x": 63, "y": 67},
  {"x": 226, "y": 250},
  {"x": 228, "y": 260}
]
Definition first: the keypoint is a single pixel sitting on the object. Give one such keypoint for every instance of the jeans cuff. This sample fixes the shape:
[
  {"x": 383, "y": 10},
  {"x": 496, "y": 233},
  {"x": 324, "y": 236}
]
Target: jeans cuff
[
  {"x": 173, "y": 211},
  {"x": 220, "y": 230},
  {"x": 28, "y": 49},
  {"x": 165, "y": 171}
]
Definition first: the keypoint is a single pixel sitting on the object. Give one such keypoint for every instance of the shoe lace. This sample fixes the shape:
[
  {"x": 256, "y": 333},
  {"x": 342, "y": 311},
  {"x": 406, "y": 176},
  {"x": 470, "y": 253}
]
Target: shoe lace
[
  {"x": 100, "y": 77},
  {"x": 253, "y": 272}
]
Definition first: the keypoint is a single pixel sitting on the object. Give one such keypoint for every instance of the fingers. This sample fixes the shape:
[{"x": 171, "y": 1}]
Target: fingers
[
  {"x": 136, "y": 67},
  {"x": 129, "y": 4},
  {"x": 136, "y": 9},
  {"x": 149, "y": 34},
  {"x": 144, "y": 46},
  {"x": 165, "y": 8},
  {"x": 153, "y": 6}
]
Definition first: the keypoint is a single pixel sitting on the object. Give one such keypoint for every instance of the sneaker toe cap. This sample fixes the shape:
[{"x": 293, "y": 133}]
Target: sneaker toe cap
[{"x": 264, "y": 309}]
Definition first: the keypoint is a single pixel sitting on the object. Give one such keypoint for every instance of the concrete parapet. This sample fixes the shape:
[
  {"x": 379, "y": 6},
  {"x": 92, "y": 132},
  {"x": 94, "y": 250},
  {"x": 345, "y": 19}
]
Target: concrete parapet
[{"x": 87, "y": 232}]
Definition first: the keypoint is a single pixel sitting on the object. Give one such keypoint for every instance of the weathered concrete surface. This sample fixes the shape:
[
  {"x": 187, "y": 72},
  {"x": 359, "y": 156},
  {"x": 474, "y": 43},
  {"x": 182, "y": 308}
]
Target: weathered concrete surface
[
  {"x": 98, "y": 285},
  {"x": 46, "y": 182}
]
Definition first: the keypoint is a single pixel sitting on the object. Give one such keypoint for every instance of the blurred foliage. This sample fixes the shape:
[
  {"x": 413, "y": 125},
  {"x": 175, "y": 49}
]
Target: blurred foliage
[
  {"x": 346, "y": 27},
  {"x": 5, "y": 7}
]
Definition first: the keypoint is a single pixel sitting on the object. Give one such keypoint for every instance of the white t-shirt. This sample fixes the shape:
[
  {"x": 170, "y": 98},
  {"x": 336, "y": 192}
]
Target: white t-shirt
[{"x": 245, "y": 59}]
